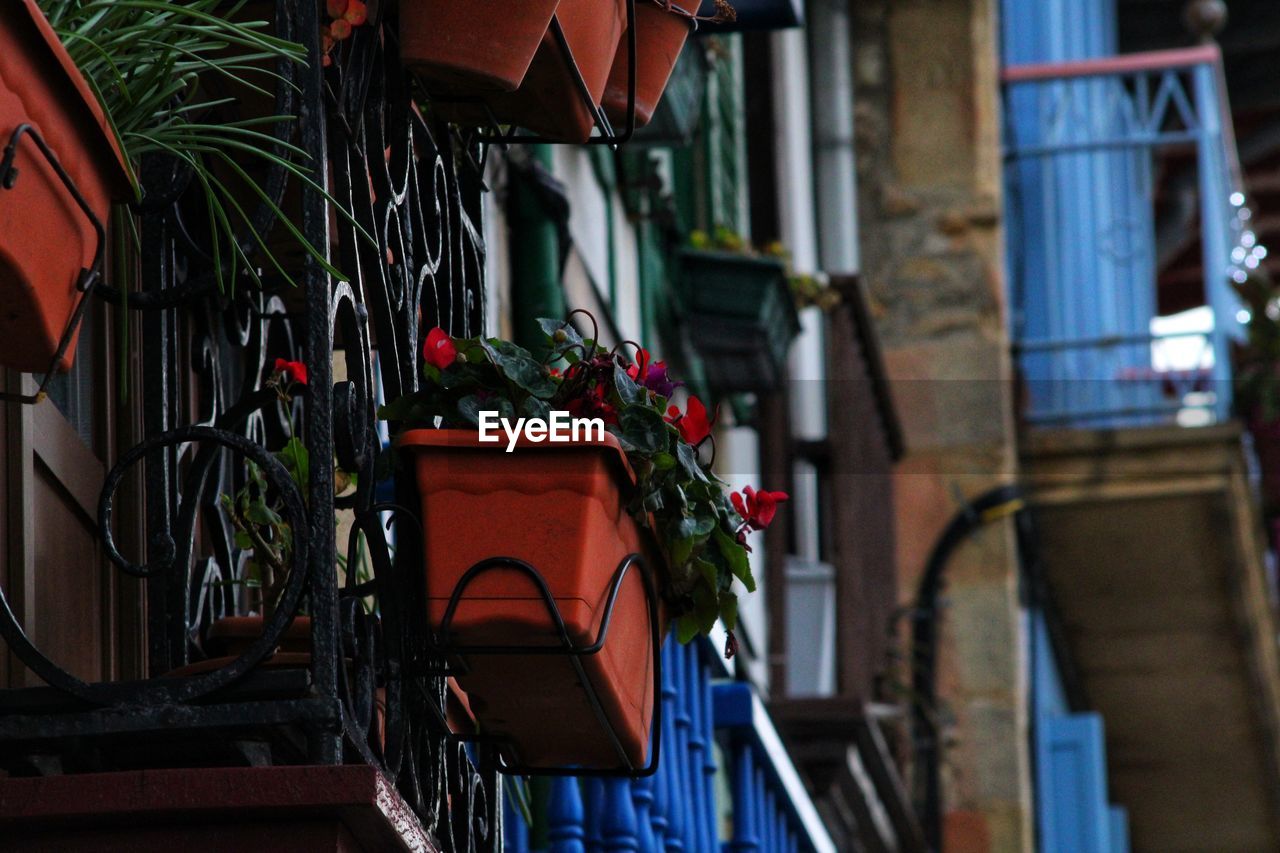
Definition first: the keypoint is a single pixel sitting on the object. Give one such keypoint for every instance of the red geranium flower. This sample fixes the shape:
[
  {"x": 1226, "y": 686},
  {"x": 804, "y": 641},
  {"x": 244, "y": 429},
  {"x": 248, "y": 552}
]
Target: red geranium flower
[
  {"x": 757, "y": 508},
  {"x": 438, "y": 350},
  {"x": 292, "y": 371},
  {"x": 694, "y": 425}
]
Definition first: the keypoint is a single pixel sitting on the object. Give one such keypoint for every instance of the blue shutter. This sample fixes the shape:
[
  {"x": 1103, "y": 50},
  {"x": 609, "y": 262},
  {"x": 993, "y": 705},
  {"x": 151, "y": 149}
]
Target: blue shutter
[
  {"x": 1074, "y": 816},
  {"x": 1119, "y": 830}
]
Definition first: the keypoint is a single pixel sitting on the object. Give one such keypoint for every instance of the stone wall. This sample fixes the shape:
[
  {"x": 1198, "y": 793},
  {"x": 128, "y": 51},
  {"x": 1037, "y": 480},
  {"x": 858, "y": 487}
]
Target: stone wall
[{"x": 932, "y": 251}]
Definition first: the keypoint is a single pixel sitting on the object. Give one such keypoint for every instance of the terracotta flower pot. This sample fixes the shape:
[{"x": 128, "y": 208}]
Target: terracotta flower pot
[
  {"x": 473, "y": 46},
  {"x": 562, "y": 509},
  {"x": 549, "y": 102},
  {"x": 231, "y": 636},
  {"x": 660, "y": 36},
  {"x": 45, "y": 237}
]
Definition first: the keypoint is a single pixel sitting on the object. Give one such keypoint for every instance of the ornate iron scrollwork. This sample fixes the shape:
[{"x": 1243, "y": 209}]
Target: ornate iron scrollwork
[{"x": 373, "y": 692}]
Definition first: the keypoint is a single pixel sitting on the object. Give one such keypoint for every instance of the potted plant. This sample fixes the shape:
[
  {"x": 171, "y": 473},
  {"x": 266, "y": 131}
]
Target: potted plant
[
  {"x": 740, "y": 311},
  {"x": 473, "y": 46},
  {"x": 550, "y": 100},
  {"x": 662, "y": 28},
  {"x": 106, "y": 85},
  {"x": 573, "y": 511}
]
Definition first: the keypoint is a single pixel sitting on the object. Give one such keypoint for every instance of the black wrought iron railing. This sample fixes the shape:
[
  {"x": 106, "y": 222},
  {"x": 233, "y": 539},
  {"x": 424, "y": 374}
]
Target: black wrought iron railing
[{"x": 370, "y": 689}]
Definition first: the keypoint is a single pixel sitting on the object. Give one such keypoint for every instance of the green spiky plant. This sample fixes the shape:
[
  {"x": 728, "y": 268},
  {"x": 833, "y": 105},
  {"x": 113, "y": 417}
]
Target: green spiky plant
[{"x": 146, "y": 61}]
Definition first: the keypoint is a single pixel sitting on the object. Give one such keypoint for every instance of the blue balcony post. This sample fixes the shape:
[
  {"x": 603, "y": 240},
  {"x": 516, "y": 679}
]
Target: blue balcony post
[
  {"x": 1215, "y": 215},
  {"x": 661, "y": 802},
  {"x": 594, "y": 800},
  {"x": 770, "y": 830},
  {"x": 677, "y": 790},
  {"x": 780, "y": 821},
  {"x": 746, "y": 830},
  {"x": 618, "y": 828},
  {"x": 699, "y": 800},
  {"x": 709, "y": 758},
  {"x": 642, "y": 794},
  {"x": 565, "y": 817}
]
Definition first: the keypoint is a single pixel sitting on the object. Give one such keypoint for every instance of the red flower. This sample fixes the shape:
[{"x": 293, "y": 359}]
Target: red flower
[
  {"x": 757, "y": 508},
  {"x": 336, "y": 8},
  {"x": 593, "y": 405},
  {"x": 292, "y": 371},
  {"x": 694, "y": 425},
  {"x": 438, "y": 350}
]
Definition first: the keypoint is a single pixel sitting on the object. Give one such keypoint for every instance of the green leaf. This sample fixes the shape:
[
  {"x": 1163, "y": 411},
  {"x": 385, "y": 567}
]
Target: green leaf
[
  {"x": 663, "y": 461},
  {"x": 628, "y": 390},
  {"x": 259, "y": 513},
  {"x": 296, "y": 458},
  {"x": 729, "y": 610},
  {"x": 549, "y": 328},
  {"x": 686, "y": 628},
  {"x": 536, "y": 408},
  {"x": 689, "y": 461},
  {"x": 519, "y": 366},
  {"x": 645, "y": 429},
  {"x": 736, "y": 556}
]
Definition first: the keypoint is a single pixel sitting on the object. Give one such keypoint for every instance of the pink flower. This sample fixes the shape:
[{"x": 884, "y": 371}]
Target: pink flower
[
  {"x": 292, "y": 371},
  {"x": 439, "y": 350}
]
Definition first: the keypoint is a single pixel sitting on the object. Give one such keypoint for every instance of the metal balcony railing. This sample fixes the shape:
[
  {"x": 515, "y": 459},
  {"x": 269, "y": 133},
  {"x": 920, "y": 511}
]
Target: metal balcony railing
[
  {"x": 369, "y": 687},
  {"x": 1117, "y": 171},
  {"x": 708, "y": 726}
]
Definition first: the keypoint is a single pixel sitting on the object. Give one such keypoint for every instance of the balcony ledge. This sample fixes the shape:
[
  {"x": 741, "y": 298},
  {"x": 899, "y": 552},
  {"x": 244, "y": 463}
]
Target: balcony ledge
[{"x": 306, "y": 808}]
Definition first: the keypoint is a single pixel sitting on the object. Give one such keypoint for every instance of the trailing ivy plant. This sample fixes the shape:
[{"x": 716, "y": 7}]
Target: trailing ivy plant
[
  {"x": 146, "y": 60},
  {"x": 701, "y": 529}
]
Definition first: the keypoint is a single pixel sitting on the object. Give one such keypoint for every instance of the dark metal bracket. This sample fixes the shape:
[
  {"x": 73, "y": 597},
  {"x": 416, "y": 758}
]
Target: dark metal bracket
[
  {"x": 566, "y": 648},
  {"x": 89, "y": 278}
]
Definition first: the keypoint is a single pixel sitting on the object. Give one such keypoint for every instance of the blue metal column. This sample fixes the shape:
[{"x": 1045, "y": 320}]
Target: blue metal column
[{"x": 1215, "y": 214}]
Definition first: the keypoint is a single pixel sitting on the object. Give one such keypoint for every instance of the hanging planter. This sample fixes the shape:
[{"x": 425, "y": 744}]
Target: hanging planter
[
  {"x": 473, "y": 46},
  {"x": 741, "y": 316},
  {"x": 562, "y": 510},
  {"x": 662, "y": 28},
  {"x": 561, "y": 90},
  {"x": 57, "y": 146},
  {"x": 554, "y": 560}
]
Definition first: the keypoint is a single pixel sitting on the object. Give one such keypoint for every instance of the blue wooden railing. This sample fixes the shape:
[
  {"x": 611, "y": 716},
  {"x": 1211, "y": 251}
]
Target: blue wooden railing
[
  {"x": 677, "y": 809},
  {"x": 1082, "y": 141}
]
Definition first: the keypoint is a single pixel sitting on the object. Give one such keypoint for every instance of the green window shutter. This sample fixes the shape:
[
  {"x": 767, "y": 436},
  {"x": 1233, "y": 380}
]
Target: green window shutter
[{"x": 723, "y": 144}]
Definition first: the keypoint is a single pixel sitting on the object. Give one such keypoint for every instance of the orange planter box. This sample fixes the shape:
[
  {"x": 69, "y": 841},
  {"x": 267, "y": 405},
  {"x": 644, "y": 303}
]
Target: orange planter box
[
  {"x": 45, "y": 238},
  {"x": 660, "y": 37},
  {"x": 473, "y": 46},
  {"x": 562, "y": 509}
]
